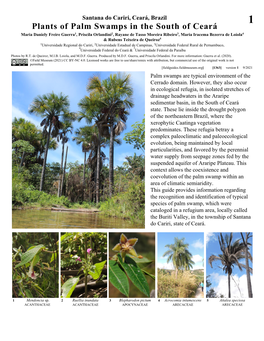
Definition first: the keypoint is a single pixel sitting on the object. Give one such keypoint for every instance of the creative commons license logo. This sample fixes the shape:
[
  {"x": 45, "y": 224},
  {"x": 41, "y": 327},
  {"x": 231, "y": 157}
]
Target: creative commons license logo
[{"x": 19, "y": 62}]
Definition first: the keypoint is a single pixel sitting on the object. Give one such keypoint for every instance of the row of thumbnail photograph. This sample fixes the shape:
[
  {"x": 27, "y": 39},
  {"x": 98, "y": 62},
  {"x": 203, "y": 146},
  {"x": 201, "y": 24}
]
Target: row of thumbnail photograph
[{"x": 116, "y": 265}]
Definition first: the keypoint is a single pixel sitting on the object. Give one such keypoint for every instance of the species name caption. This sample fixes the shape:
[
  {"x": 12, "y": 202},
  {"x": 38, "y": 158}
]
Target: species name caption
[
  {"x": 182, "y": 302},
  {"x": 126, "y": 302},
  {"x": 84, "y": 302},
  {"x": 195, "y": 149},
  {"x": 232, "y": 302},
  {"x": 37, "y": 302}
]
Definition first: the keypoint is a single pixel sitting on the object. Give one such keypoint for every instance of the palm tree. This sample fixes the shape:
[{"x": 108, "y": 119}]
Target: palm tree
[
  {"x": 27, "y": 131},
  {"x": 232, "y": 252},
  {"x": 81, "y": 138},
  {"x": 247, "y": 256},
  {"x": 136, "y": 165},
  {"x": 50, "y": 107},
  {"x": 67, "y": 128},
  {"x": 91, "y": 112},
  {"x": 114, "y": 98},
  {"x": 24, "y": 130},
  {"x": 91, "y": 143},
  {"x": 179, "y": 254},
  {"x": 187, "y": 261},
  {"x": 64, "y": 169}
]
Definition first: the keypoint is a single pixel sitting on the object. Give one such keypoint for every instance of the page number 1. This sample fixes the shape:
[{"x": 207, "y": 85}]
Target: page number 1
[{"x": 250, "y": 19}]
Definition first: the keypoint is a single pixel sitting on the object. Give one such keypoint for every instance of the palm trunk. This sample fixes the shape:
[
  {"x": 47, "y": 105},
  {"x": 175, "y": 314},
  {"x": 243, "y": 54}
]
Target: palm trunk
[
  {"x": 22, "y": 161},
  {"x": 84, "y": 164},
  {"x": 111, "y": 159},
  {"x": 61, "y": 170},
  {"x": 45, "y": 160},
  {"x": 229, "y": 287},
  {"x": 250, "y": 293},
  {"x": 176, "y": 272},
  {"x": 63, "y": 176},
  {"x": 98, "y": 169}
]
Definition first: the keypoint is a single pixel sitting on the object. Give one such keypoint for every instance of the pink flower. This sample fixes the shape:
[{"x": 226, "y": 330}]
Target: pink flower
[
  {"x": 78, "y": 259},
  {"x": 89, "y": 250}
]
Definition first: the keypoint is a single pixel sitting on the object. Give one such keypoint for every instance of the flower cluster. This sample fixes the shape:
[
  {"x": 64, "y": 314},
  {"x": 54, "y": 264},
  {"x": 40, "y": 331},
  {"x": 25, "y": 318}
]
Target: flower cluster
[
  {"x": 78, "y": 259},
  {"x": 86, "y": 264}
]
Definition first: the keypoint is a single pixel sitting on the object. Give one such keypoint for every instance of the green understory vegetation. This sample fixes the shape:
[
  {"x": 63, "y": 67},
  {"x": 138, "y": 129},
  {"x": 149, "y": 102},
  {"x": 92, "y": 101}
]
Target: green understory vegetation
[
  {"x": 184, "y": 286},
  {"x": 127, "y": 203}
]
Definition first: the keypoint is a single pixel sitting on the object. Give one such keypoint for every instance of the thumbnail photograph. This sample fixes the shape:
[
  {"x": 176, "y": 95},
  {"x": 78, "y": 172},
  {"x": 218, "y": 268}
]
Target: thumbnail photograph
[
  {"x": 180, "y": 265},
  {"x": 229, "y": 265},
  {"x": 132, "y": 265},
  {"x": 83, "y": 265},
  {"x": 35, "y": 265}
]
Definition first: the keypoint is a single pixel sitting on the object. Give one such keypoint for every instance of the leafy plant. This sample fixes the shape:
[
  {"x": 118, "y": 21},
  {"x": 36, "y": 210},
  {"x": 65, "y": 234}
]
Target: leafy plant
[
  {"x": 35, "y": 271},
  {"x": 127, "y": 265},
  {"x": 88, "y": 261}
]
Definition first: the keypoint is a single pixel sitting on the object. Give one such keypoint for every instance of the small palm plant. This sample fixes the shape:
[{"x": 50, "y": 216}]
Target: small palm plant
[{"x": 179, "y": 255}]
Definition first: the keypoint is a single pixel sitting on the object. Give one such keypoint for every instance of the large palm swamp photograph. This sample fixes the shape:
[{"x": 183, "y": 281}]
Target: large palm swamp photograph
[
  {"x": 78, "y": 149},
  {"x": 229, "y": 265},
  {"x": 180, "y": 265}
]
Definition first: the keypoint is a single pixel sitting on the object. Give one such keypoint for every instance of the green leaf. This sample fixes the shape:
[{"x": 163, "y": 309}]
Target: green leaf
[
  {"x": 30, "y": 254},
  {"x": 53, "y": 257},
  {"x": 69, "y": 286},
  {"x": 28, "y": 293},
  {"x": 98, "y": 270},
  {"x": 38, "y": 288},
  {"x": 148, "y": 274},
  {"x": 118, "y": 277},
  {"x": 35, "y": 260},
  {"x": 135, "y": 274},
  {"x": 142, "y": 262}
]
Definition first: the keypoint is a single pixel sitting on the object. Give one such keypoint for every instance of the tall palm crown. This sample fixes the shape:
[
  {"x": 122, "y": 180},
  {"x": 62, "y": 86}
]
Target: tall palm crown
[
  {"x": 50, "y": 107},
  {"x": 179, "y": 254},
  {"x": 114, "y": 99},
  {"x": 24, "y": 130},
  {"x": 232, "y": 252},
  {"x": 27, "y": 131}
]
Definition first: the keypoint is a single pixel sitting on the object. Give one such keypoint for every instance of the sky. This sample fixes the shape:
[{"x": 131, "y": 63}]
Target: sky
[
  {"x": 196, "y": 248},
  {"x": 27, "y": 85},
  {"x": 217, "y": 276}
]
